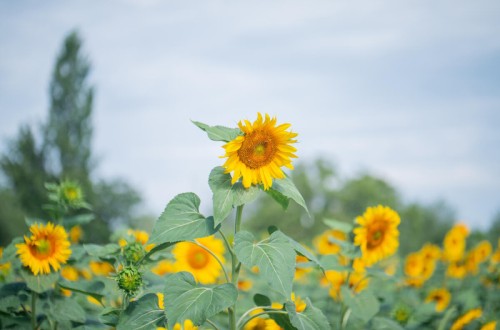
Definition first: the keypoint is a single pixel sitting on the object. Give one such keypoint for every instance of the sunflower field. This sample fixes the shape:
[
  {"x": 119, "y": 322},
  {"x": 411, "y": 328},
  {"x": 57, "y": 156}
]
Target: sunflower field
[{"x": 190, "y": 273}]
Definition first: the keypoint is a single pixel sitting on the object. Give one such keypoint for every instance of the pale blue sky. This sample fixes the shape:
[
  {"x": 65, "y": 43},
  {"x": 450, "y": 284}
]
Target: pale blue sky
[{"x": 407, "y": 90}]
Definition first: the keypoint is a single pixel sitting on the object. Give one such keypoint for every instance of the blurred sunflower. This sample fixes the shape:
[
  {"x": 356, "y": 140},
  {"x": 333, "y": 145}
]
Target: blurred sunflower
[
  {"x": 441, "y": 297},
  {"x": 483, "y": 251},
  {"x": 101, "y": 268},
  {"x": 198, "y": 261},
  {"x": 47, "y": 247},
  {"x": 378, "y": 234},
  {"x": 467, "y": 318},
  {"x": 75, "y": 234},
  {"x": 302, "y": 268},
  {"x": 489, "y": 326},
  {"x": 325, "y": 244},
  {"x": 163, "y": 267},
  {"x": 430, "y": 252},
  {"x": 456, "y": 270},
  {"x": 258, "y": 155},
  {"x": 454, "y": 243},
  {"x": 187, "y": 325}
]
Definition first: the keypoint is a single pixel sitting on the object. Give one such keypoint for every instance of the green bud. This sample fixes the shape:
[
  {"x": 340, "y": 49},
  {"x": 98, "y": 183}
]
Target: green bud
[
  {"x": 401, "y": 313},
  {"x": 133, "y": 252},
  {"x": 129, "y": 280}
]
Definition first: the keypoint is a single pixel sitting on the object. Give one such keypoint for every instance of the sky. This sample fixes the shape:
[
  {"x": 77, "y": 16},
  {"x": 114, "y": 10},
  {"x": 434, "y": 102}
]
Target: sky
[{"x": 406, "y": 90}]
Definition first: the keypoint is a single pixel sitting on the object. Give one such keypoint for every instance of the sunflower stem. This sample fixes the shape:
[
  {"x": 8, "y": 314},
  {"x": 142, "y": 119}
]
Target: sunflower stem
[
  {"x": 33, "y": 309},
  {"x": 235, "y": 269}
]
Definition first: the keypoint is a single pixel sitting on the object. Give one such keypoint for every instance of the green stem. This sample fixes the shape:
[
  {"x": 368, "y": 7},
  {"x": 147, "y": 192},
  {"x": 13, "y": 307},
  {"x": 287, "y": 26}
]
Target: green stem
[
  {"x": 212, "y": 324},
  {"x": 228, "y": 246},
  {"x": 33, "y": 309},
  {"x": 250, "y": 311},
  {"x": 235, "y": 267},
  {"x": 216, "y": 258}
]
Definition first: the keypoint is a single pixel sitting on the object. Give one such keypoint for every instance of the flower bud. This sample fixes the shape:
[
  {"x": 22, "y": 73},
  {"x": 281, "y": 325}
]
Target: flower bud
[{"x": 129, "y": 280}]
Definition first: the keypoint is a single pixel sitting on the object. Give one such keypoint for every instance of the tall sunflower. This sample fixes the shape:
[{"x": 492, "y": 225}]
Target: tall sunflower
[
  {"x": 198, "y": 261},
  {"x": 258, "y": 155},
  {"x": 48, "y": 246},
  {"x": 378, "y": 233}
]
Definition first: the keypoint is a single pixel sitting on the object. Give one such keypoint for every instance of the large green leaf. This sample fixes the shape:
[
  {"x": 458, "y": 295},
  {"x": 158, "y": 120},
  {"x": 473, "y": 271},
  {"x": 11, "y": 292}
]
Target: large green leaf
[
  {"x": 182, "y": 221},
  {"x": 219, "y": 133},
  {"x": 39, "y": 283},
  {"x": 101, "y": 251},
  {"x": 227, "y": 195},
  {"x": 383, "y": 323},
  {"x": 310, "y": 319},
  {"x": 68, "y": 310},
  {"x": 300, "y": 249},
  {"x": 274, "y": 256},
  {"x": 363, "y": 305},
  {"x": 9, "y": 304},
  {"x": 142, "y": 314},
  {"x": 184, "y": 299},
  {"x": 287, "y": 188},
  {"x": 338, "y": 225}
]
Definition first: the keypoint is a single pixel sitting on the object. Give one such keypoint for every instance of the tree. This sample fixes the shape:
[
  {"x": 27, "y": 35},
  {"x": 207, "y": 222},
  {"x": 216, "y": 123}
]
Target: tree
[
  {"x": 64, "y": 152},
  {"x": 68, "y": 132}
]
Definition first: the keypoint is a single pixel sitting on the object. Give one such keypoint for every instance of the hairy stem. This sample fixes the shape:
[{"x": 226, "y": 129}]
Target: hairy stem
[
  {"x": 235, "y": 268},
  {"x": 33, "y": 309}
]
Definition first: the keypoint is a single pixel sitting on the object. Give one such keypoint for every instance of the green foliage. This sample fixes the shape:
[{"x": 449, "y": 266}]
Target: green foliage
[
  {"x": 39, "y": 283},
  {"x": 363, "y": 305},
  {"x": 182, "y": 221},
  {"x": 184, "y": 299},
  {"x": 274, "y": 256},
  {"x": 283, "y": 190},
  {"x": 219, "y": 133},
  {"x": 227, "y": 195},
  {"x": 68, "y": 310},
  {"x": 310, "y": 319},
  {"x": 142, "y": 314},
  {"x": 62, "y": 150}
]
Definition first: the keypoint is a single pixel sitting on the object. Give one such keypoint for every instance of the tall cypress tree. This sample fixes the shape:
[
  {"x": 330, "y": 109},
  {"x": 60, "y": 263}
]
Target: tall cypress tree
[
  {"x": 64, "y": 152},
  {"x": 68, "y": 132}
]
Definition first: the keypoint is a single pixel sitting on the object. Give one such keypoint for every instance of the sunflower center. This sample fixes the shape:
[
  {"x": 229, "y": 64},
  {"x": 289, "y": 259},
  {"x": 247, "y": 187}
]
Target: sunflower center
[
  {"x": 71, "y": 194},
  {"x": 258, "y": 149},
  {"x": 376, "y": 235},
  {"x": 41, "y": 248},
  {"x": 198, "y": 259}
]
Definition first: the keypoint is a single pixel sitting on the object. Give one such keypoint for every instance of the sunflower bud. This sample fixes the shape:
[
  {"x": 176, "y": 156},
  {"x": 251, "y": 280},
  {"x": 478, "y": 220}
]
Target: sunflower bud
[
  {"x": 401, "y": 313},
  {"x": 129, "y": 280},
  {"x": 133, "y": 252}
]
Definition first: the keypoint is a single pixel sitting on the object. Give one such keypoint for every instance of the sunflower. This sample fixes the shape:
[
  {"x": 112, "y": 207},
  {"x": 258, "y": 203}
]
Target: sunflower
[
  {"x": 456, "y": 270},
  {"x": 198, "y": 261},
  {"x": 467, "y": 318},
  {"x": 302, "y": 268},
  {"x": 101, "y": 268},
  {"x": 483, "y": 251},
  {"x": 325, "y": 243},
  {"x": 48, "y": 246},
  {"x": 454, "y": 243},
  {"x": 75, "y": 234},
  {"x": 489, "y": 326},
  {"x": 441, "y": 297},
  {"x": 430, "y": 252},
  {"x": 378, "y": 234},
  {"x": 188, "y": 325},
  {"x": 163, "y": 267},
  {"x": 258, "y": 155}
]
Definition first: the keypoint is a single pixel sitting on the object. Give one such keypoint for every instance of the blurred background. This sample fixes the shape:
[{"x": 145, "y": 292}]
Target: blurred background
[{"x": 395, "y": 103}]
